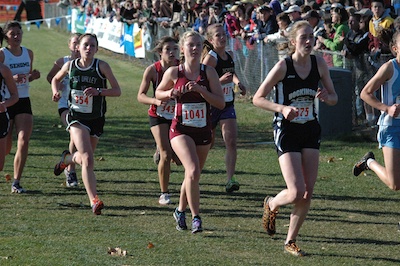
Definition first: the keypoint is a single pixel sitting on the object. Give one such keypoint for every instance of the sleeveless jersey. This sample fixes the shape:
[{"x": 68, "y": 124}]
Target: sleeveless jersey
[
  {"x": 3, "y": 89},
  {"x": 192, "y": 111},
  {"x": 80, "y": 105},
  {"x": 166, "y": 111},
  {"x": 298, "y": 92},
  {"x": 63, "y": 102},
  {"x": 390, "y": 94},
  {"x": 19, "y": 65},
  {"x": 222, "y": 67}
]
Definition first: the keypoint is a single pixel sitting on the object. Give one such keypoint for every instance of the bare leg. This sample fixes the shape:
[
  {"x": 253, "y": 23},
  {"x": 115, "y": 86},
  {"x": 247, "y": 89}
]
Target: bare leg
[
  {"x": 23, "y": 126},
  {"x": 229, "y": 134},
  {"x": 161, "y": 136},
  {"x": 193, "y": 158},
  {"x": 84, "y": 156},
  {"x": 390, "y": 173},
  {"x": 300, "y": 172}
]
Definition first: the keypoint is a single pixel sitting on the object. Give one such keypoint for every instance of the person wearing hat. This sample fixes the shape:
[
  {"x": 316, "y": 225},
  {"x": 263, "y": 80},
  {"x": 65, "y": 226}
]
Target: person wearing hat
[
  {"x": 315, "y": 21},
  {"x": 266, "y": 24},
  {"x": 232, "y": 22},
  {"x": 217, "y": 13},
  {"x": 294, "y": 13}
]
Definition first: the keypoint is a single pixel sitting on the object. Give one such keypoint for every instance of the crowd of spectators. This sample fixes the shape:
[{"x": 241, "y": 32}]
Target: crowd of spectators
[{"x": 349, "y": 28}]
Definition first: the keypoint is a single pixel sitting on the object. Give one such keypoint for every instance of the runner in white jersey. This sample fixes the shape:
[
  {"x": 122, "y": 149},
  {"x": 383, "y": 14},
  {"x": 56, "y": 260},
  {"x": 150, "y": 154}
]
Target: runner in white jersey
[
  {"x": 70, "y": 174},
  {"x": 19, "y": 59},
  {"x": 387, "y": 79},
  {"x": 7, "y": 87}
]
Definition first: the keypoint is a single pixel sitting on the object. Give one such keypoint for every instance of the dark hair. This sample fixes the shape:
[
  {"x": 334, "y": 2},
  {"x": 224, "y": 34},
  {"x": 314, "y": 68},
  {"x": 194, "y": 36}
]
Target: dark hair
[
  {"x": 344, "y": 16},
  {"x": 89, "y": 35},
  {"x": 283, "y": 17},
  {"x": 161, "y": 42},
  {"x": 9, "y": 24}
]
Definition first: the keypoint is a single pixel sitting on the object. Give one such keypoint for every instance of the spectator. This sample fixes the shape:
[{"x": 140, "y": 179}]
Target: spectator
[
  {"x": 339, "y": 19},
  {"x": 265, "y": 24},
  {"x": 315, "y": 21},
  {"x": 279, "y": 38},
  {"x": 201, "y": 22},
  {"x": 355, "y": 46},
  {"x": 294, "y": 13},
  {"x": 217, "y": 14},
  {"x": 232, "y": 22},
  {"x": 381, "y": 19},
  {"x": 127, "y": 12},
  {"x": 276, "y": 7}
]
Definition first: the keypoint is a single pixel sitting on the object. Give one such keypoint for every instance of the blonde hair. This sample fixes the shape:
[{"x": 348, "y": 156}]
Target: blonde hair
[
  {"x": 189, "y": 34},
  {"x": 293, "y": 33}
]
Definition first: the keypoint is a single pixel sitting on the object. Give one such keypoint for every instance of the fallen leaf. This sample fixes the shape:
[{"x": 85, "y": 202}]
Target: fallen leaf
[
  {"x": 101, "y": 159},
  {"x": 6, "y": 258},
  {"x": 150, "y": 245},
  {"x": 8, "y": 177},
  {"x": 331, "y": 159},
  {"x": 117, "y": 252}
]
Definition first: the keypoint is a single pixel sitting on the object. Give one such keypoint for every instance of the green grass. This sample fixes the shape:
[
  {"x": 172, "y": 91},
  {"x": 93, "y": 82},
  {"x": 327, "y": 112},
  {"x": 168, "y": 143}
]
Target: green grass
[{"x": 353, "y": 221}]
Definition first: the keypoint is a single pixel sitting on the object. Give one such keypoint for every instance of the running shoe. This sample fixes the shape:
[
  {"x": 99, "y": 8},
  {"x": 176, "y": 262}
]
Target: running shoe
[
  {"x": 361, "y": 165},
  {"x": 156, "y": 156},
  {"x": 97, "y": 206},
  {"x": 16, "y": 188},
  {"x": 60, "y": 166},
  {"x": 232, "y": 185},
  {"x": 164, "y": 199},
  {"x": 180, "y": 218},
  {"x": 269, "y": 217},
  {"x": 293, "y": 249},
  {"x": 71, "y": 178},
  {"x": 196, "y": 225}
]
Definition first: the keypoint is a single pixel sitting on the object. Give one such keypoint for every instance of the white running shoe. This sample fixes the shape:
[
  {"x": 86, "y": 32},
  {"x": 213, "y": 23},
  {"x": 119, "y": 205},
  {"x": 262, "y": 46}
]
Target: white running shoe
[{"x": 165, "y": 199}]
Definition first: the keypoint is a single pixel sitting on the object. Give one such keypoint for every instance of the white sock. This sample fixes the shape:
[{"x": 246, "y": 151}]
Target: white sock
[{"x": 369, "y": 162}]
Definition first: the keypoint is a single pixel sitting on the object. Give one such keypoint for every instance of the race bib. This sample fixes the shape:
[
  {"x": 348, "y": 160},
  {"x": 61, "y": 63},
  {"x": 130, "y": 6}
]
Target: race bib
[
  {"x": 304, "y": 113},
  {"x": 80, "y": 102},
  {"x": 194, "y": 114},
  {"x": 228, "y": 91},
  {"x": 167, "y": 111}
]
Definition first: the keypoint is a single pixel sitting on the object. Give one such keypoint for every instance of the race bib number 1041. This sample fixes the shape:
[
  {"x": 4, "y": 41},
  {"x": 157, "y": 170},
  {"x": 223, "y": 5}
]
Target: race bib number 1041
[{"x": 194, "y": 114}]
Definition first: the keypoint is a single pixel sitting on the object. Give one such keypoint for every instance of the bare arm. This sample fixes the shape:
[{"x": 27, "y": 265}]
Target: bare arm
[
  {"x": 56, "y": 81},
  {"x": 11, "y": 86},
  {"x": 165, "y": 89},
  {"x": 384, "y": 73},
  {"x": 114, "y": 90},
  {"x": 148, "y": 76},
  {"x": 56, "y": 67}
]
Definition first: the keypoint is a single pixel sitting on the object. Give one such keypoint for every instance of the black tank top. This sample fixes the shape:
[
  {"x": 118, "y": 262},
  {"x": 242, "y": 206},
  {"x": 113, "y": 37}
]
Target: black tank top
[{"x": 298, "y": 92}]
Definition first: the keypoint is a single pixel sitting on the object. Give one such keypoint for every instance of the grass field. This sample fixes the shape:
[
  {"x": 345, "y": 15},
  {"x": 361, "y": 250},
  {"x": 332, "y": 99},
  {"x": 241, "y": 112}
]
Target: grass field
[{"x": 353, "y": 221}]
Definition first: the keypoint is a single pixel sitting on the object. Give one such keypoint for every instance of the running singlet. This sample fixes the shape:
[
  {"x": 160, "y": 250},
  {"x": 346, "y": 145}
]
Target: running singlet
[
  {"x": 192, "y": 112},
  {"x": 390, "y": 94},
  {"x": 297, "y": 92},
  {"x": 19, "y": 65},
  {"x": 222, "y": 67},
  {"x": 80, "y": 105},
  {"x": 63, "y": 102},
  {"x": 167, "y": 110}
]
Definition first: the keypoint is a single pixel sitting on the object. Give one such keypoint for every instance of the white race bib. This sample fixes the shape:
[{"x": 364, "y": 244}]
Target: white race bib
[
  {"x": 228, "y": 91},
  {"x": 304, "y": 113},
  {"x": 80, "y": 102},
  {"x": 194, "y": 114},
  {"x": 167, "y": 111}
]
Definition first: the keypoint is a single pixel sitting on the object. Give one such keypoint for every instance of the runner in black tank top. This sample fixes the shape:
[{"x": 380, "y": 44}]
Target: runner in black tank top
[
  {"x": 296, "y": 129},
  {"x": 223, "y": 63}
]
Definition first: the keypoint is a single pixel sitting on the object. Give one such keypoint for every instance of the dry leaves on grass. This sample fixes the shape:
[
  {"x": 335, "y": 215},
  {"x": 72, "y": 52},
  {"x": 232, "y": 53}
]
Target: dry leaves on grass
[
  {"x": 150, "y": 245},
  {"x": 330, "y": 159},
  {"x": 8, "y": 177},
  {"x": 117, "y": 252}
]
